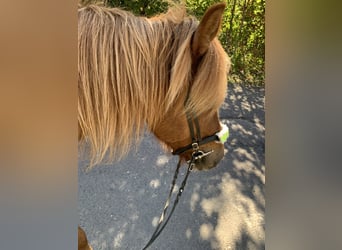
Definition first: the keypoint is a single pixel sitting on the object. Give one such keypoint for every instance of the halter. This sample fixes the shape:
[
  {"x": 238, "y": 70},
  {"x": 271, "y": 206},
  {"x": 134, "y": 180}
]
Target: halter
[{"x": 197, "y": 141}]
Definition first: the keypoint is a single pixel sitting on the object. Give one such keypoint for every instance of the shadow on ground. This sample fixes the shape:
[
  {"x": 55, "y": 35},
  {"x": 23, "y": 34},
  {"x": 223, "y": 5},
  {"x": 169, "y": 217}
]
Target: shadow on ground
[{"x": 223, "y": 208}]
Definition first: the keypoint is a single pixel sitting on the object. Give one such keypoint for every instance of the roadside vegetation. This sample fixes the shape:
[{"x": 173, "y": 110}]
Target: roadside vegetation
[{"x": 242, "y": 32}]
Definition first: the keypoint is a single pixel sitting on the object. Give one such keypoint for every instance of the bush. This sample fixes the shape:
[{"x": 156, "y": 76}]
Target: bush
[{"x": 242, "y": 36}]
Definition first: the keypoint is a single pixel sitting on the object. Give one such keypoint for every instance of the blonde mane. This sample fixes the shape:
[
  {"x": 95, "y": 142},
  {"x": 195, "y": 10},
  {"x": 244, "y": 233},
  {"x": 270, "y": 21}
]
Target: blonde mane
[{"x": 133, "y": 70}]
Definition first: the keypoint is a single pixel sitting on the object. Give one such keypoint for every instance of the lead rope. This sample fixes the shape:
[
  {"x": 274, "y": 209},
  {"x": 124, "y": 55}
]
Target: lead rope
[
  {"x": 191, "y": 163},
  {"x": 160, "y": 228}
]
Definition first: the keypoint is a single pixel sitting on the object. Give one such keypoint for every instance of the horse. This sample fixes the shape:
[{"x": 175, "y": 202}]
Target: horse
[{"x": 167, "y": 73}]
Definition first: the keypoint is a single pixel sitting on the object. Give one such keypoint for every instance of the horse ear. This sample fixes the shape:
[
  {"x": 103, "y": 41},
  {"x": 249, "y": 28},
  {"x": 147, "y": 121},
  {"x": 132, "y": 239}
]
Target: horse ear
[{"x": 207, "y": 29}]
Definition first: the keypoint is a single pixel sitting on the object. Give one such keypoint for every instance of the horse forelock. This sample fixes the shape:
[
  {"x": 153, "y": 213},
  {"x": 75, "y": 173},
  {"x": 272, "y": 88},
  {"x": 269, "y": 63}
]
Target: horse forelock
[{"x": 132, "y": 70}]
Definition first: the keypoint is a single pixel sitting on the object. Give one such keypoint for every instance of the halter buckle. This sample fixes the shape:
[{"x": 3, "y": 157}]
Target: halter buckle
[{"x": 195, "y": 146}]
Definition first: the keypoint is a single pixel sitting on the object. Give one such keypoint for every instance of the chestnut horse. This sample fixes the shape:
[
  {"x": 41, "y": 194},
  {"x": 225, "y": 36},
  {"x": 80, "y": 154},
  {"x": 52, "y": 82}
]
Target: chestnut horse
[{"x": 135, "y": 72}]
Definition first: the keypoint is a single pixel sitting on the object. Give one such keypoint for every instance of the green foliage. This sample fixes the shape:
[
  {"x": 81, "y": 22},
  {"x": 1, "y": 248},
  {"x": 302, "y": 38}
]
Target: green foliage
[
  {"x": 242, "y": 32},
  {"x": 242, "y": 35},
  {"x": 140, "y": 7}
]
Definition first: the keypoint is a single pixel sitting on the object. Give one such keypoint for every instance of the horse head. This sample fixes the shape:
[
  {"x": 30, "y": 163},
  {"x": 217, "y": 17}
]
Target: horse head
[{"x": 194, "y": 116}]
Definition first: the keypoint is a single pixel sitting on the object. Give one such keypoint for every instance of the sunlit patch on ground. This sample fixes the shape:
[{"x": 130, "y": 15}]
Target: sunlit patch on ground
[
  {"x": 162, "y": 160},
  {"x": 237, "y": 214}
]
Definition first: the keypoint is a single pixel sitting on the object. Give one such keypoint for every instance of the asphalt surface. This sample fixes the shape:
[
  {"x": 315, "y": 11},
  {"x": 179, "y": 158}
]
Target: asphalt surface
[{"x": 224, "y": 208}]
